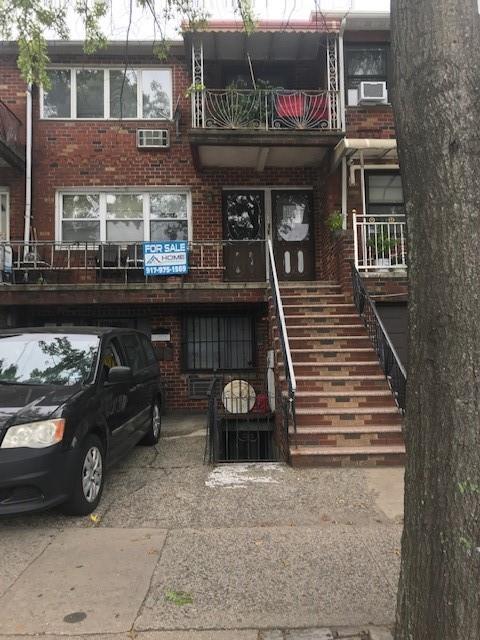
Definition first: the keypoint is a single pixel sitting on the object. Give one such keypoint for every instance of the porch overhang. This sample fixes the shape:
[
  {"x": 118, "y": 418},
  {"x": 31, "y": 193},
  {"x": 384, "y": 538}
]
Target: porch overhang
[
  {"x": 365, "y": 150},
  {"x": 260, "y": 149}
]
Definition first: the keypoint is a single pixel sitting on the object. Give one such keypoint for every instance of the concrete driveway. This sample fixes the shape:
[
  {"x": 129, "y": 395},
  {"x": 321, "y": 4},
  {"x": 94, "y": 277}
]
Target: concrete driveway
[{"x": 180, "y": 550}]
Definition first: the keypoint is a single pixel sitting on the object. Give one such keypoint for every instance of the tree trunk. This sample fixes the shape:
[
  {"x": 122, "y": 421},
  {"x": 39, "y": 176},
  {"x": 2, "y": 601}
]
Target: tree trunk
[{"x": 435, "y": 52}]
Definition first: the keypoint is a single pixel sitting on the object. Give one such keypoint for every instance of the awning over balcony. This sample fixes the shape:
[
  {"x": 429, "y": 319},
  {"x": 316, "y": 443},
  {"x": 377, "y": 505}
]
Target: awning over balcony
[
  {"x": 222, "y": 43},
  {"x": 366, "y": 149}
]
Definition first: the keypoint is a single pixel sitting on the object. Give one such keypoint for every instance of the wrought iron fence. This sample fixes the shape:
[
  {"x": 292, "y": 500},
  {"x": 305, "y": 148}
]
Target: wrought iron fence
[
  {"x": 240, "y": 422},
  {"x": 9, "y": 125},
  {"x": 266, "y": 109},
  {"x": 389, "y": 360},
  {"x": 288, "y": 403},
  {"x": 380, "y": 242}
]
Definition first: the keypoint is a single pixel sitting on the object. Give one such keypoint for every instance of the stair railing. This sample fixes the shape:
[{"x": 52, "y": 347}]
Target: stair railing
[
  {"x": 289, "y": 405},
  {"x": 387, "y": 354}
]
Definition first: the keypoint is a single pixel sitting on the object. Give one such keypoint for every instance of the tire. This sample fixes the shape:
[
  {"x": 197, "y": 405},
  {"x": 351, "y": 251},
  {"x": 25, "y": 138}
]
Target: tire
[
  {"x": 152, "y": 436},
  {"x": 88, "y": 480}
]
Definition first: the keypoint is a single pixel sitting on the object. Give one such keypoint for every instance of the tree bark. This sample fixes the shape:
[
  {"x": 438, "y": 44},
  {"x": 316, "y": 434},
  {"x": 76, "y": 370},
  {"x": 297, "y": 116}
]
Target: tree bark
[{"x": 435, "y": 53}]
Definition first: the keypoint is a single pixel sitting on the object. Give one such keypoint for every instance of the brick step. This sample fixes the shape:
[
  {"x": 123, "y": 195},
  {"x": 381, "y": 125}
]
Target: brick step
[
  {"x": 339, "y": 308},
  {"x": 385, "y": 435},
  {"x": 372, "y": 456},
  {"x": 308, "y": 284},
  {"x": 332, "y": 356},
  {"x": 339, "y": 384},
  {"x": 344, "y": 417},
  {"x": 341, "y": 369},
  {"x": 312, "y": 298},
  {"x": 322, "y": 341},
  {"x": 352, "y": 403},
  {"x": 345, "y": 393},
  {"x": 324, "y": 330},
  {"x": 314, "y": 319}
]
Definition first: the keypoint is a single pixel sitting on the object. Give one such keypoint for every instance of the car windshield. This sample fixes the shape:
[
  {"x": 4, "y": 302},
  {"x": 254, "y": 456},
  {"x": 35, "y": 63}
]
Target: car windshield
[{"x": 39, "y": 358}]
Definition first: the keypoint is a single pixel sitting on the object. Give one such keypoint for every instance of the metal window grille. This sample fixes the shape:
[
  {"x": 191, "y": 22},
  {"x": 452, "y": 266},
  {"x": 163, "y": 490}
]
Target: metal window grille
[{"x": 222, "y": 343}]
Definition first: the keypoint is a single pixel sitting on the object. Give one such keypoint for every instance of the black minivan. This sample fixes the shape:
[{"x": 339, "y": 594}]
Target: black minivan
[{"x": 72, "y": 402}]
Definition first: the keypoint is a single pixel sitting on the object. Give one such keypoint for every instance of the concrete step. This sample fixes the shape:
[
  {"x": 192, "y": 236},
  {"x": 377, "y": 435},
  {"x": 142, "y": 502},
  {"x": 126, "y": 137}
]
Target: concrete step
[{"x": 372, "y": 456}]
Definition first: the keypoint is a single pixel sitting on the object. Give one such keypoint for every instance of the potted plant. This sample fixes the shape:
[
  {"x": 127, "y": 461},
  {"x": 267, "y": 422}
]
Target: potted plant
[
  {"x": 334, "y": 222},
  {"x": 382, "y": 246}
]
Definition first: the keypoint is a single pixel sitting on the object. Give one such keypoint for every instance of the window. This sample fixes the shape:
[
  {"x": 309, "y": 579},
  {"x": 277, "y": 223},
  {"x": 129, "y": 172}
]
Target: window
[
  {"x": 148, "y": 350},
  {"x": 108, "y": 93},
  {"x": 384, "y": 193},
  {"x": 364, "y": 63},
  {"x": 218, "y": 343},
  {"x": 135, "y": 354},
  {"x": 123, "y": 216},
  {"x": 4, "y": 214}
]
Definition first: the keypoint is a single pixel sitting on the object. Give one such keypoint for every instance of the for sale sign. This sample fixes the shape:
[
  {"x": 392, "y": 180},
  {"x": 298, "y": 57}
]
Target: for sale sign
[{"x": 165, "y": 258}]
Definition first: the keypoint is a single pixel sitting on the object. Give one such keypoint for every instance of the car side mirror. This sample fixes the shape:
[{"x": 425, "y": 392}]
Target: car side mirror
[{"x": 119, "y": 375}]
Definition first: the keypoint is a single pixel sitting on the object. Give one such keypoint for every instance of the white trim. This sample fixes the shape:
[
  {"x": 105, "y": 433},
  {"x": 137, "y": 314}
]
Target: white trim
[
  {"x": 106, "y": 92},
  {"x": 5, "y": 191},
  {"x": 104, "y": 191}
]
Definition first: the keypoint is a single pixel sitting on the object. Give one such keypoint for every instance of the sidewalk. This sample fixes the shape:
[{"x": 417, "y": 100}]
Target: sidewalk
[{"x": 182, "y": 551}]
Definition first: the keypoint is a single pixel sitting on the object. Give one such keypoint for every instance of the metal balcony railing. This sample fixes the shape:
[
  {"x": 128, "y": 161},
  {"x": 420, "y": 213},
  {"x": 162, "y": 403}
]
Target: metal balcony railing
[
  {"x": 9, "y": 126},
  {"x": 266, "y": 109},
  {"x": 380, "y": 242},
  {"x": 42, "y": 262}
]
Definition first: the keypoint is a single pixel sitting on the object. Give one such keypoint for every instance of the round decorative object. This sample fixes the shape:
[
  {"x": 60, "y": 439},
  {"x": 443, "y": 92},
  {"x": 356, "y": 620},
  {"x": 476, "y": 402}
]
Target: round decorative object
[{"x": 238, "y": 396}]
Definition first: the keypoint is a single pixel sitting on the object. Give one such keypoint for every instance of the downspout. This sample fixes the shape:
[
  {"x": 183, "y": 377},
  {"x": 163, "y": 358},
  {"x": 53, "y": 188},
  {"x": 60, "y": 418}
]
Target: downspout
[
  {"x": 342, "y": 72},
  {"x": 344, "y": 193},
  {"x": 28, "y": 171}
]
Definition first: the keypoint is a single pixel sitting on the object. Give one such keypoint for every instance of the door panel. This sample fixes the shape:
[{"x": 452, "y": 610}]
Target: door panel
[
  {"x": 244, "y": 229},
  {"x": 293, "y": 236}
]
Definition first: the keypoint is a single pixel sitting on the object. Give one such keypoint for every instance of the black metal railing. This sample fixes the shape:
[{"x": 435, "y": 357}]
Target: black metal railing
[
  {"x": 9, "y": 126},
  {"x": 288, "y": 403},
  {"x": 240, "y": 422},
  {"x": 389, "y": 360}
]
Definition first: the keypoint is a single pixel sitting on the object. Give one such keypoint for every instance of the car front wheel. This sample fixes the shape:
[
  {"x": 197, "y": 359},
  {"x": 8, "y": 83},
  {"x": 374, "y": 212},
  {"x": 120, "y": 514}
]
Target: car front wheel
[{"x": 88, "y": 480}]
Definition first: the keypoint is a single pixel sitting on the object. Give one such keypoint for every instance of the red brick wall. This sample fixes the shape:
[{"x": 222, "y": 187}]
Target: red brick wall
[{"x": 370, "y": 122}]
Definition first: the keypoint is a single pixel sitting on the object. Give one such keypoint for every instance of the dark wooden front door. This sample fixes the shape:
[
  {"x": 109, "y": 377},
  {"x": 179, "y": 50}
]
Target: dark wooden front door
[
  {"x": 293, "y": 238},
  {"x": 244, "y": 231}
]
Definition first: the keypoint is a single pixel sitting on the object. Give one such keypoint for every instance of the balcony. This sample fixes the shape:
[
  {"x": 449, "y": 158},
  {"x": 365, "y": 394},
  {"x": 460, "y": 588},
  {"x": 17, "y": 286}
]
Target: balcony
[
  {"x": 11, "y": 150},
  {"x": 266, "y": 110},
  {"x": 121, "y": 263},
  {"x": 269, "y": 99},
  {"x": 380, "y": 243}
]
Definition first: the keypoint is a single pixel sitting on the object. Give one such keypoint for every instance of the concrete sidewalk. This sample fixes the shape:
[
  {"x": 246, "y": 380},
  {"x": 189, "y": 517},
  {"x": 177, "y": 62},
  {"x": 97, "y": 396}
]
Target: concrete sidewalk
[{"x": 178, "y": 550}]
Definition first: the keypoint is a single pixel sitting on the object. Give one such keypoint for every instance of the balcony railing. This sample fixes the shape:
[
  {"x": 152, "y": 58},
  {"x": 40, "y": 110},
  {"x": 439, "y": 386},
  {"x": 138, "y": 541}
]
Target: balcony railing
[
  {"x": 380, "y": 242},
  {"x": 49, "y": 262},
  {"x": 266, "y": 109},
  {"x": 9, "y": 126}
]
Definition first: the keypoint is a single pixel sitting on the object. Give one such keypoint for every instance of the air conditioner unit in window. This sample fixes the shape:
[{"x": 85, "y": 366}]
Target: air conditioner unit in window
[
  {"x": 372, "y": 93},
  {"x": 153, "y": 138}
]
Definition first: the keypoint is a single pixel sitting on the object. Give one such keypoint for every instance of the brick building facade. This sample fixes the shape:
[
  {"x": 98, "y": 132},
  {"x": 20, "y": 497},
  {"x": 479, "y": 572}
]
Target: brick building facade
[{"x": 280, "y": 149}]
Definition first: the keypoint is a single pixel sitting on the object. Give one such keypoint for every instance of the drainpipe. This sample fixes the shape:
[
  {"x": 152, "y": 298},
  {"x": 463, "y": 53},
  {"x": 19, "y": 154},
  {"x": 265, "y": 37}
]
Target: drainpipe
[
  {"x": 342, "y": 71},
  {"x": 344, "y": 192},
  {"x": 28, "y": 170}
]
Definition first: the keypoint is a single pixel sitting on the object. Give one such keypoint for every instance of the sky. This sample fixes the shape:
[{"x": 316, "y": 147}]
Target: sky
[{"x": 142, "y": 28}]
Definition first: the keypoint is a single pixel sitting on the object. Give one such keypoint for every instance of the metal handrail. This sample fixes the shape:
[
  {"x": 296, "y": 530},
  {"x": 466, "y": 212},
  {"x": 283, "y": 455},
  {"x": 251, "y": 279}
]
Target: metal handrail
[
  {"x": 391, "y": 364},
  {"x": 282, "y": 330},
  {"x": 10, "y": 124}
]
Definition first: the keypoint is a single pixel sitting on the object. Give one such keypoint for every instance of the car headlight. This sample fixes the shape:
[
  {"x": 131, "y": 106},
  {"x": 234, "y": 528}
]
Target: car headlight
[{"x": 34, "y": 435}]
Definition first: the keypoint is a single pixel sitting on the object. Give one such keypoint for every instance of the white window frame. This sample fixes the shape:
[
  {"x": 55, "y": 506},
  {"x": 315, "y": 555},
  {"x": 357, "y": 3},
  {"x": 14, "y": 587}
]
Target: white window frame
[
  {"x": 106, "y": 92},
  {"x": 103, "y": 192},
  {"x": 5, "y": 191}
]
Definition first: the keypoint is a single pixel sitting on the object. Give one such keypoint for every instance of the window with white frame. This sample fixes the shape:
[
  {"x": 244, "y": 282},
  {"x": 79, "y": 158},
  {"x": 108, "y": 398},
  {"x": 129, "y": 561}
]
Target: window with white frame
[
  {"x": 117, "y": 216},
  {"x": 4, "y": 214},
  {"x": 100, "y": 93}
]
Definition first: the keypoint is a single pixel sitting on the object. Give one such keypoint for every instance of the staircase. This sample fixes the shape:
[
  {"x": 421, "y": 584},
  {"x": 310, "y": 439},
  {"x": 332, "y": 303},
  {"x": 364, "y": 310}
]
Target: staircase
[{"x": 345, "y": 411}]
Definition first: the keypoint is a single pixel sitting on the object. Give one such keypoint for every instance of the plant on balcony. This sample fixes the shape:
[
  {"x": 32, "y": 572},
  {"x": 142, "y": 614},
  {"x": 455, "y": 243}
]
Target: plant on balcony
[
  {"x": 382, "y": 245},
  {"x": 246, "y": 106},
  {"x": 334, "y": 222}
]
